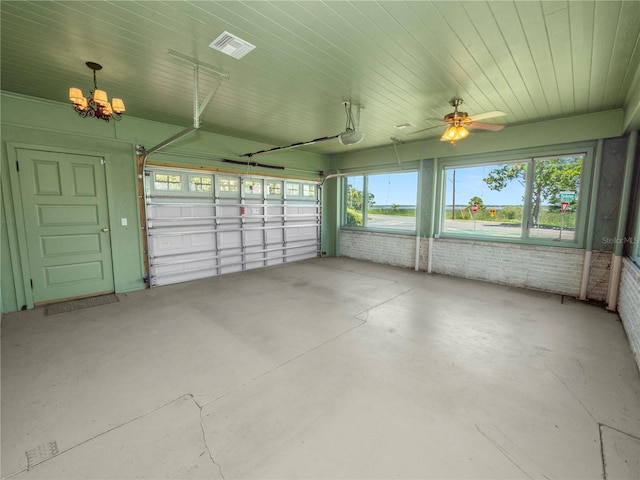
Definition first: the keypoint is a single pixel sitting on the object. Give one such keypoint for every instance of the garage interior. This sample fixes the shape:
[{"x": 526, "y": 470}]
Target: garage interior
[{"x": 267, "y": 263}]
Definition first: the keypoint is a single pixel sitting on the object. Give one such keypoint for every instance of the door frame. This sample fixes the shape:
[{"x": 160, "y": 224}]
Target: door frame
[{"x": 20, "y": 255}]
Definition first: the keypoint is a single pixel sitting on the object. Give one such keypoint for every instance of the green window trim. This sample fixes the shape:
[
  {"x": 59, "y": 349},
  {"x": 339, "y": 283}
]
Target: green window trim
[
  {"x": 380, "y": 214},
  {"x": 529, "y": 156}
]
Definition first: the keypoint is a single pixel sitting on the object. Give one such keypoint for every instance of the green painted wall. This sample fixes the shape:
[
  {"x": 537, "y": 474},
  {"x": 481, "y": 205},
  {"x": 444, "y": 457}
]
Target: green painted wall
[
  {"x": 513, "y": 138},
  {"x": 559, "y": 131},
  {"x": 40, "y": 124}
]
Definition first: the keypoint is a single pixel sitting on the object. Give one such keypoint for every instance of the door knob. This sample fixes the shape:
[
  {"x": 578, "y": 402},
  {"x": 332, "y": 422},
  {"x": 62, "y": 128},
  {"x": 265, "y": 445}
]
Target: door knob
[{"x": 105, "y": 229}]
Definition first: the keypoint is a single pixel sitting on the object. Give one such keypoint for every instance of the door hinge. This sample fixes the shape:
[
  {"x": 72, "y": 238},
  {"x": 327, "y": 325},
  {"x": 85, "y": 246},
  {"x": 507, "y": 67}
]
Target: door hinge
[
  {"x": 102, "y": 162},
  {"x": 31, "y": 282},
  {"x": 17, "y": 166}
]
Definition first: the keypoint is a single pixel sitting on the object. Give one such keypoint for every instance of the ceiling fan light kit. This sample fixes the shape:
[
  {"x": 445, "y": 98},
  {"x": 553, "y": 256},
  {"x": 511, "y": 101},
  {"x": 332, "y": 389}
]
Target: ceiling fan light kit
[
  {"x": 454, "y": 133},
  {"x": 97, "y": 105},
  {"x": 458, "y": 122}
]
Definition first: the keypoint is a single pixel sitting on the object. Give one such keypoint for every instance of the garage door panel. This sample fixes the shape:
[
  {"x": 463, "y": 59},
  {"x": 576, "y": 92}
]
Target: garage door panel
[
  {"x": 274, "y": 235},
  {"x": 186, "y": 266},
  {"x": 254, "y": 237},
  {"x": 275, "y": 258},
  {"x": 254, "y": 257},
  {"x": 236, "y": 223},
  {"x": 231, "y": 264},
  {"x": 178, "y": 276},
  {"x": 273, "y": 212},
  {"x": 230, "y": 239},
  {"x": 175, "y": 244},
  {"x": 301, "y": 233}
]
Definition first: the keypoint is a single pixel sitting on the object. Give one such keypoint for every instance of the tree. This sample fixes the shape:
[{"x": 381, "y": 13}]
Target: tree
[
  {"x": 354, "y": 205},
  {"x": 552, "y": 175},
  {"x": 355, "y": 198},
  {"x": 478, "y": 201}
]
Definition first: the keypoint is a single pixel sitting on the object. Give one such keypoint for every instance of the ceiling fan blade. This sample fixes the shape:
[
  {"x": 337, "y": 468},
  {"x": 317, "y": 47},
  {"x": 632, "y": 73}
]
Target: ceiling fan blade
[
  {"x": 494, "y": 127},
  {"x": 425, "y": 129},
  {"x": 293, "y": 145},
  {"x": 485, "y": 115}
]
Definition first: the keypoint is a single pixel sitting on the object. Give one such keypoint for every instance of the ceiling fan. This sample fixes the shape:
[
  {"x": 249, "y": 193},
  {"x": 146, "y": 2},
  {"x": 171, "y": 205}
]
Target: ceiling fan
[
  {"x": 350, "y": 136},
  {"x": 457, "y": 123}
]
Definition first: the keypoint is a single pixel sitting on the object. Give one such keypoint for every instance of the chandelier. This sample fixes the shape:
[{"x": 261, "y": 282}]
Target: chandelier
[{"x": 97, "y": 105}]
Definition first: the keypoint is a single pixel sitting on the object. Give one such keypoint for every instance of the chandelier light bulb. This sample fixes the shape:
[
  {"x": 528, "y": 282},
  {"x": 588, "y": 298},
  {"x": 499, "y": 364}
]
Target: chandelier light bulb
[
  {"x": 118, "y": 105},
  {"x": 100, "y": 97}
]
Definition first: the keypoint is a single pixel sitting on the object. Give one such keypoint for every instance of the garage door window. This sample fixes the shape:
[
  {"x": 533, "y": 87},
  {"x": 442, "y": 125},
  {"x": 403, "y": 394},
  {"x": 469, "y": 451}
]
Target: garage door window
[
  {"x": 163, "y": 181},
  {"x": 274, "y": 188},
  {"x": 229, "y": 185},
  {"x": 200, "y": 183},
  {"x": 308, "y": 190},
  {"x": 253, "y": 187},
  {"x": 293, "y": 189}
]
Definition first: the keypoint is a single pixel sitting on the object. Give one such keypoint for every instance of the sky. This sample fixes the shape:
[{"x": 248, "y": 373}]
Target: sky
[
  {"x": 469, "y": 183},
  {"x": 400, "y": 188}
]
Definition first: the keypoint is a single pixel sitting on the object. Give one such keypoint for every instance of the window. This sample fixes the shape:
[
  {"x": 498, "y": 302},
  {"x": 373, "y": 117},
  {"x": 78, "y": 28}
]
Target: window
[
  {"x": 308, "y": 190},
  {"x": 382, "y": 201},
  {"x": 634, "y": 241},
  {"x": 534, "y": 198},
  {"x": 483, "y": 200},
  {"x": 354, "y": 204},
  {"x": 554, "y": 197},
  {"x": 229, "y": 185},
  {"x": 163, "y": 181},
  {"x": 253, "y": 187},
  {"x": 293, "y": 189},
  {"x": 274, "y": 188},
  {"x": 200, "y": 183}
]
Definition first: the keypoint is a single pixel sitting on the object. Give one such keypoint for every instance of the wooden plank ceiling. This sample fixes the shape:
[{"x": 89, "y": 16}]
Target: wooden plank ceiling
[{"x": 403, "y": 61}]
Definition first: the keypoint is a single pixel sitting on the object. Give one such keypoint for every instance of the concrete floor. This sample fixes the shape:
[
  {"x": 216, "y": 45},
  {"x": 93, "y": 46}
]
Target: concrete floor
[{"x": 329, "y": 368}]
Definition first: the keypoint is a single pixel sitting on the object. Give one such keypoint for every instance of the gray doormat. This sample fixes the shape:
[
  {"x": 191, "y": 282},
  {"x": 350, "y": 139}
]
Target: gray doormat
[{"x": 71, "y": 305}]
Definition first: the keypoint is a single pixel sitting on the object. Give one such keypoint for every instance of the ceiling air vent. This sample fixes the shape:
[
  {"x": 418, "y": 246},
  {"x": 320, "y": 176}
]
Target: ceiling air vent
[{"x": 231, "y": 45}]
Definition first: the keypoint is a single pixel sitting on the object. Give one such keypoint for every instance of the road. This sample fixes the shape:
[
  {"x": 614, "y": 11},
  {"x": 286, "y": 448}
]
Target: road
[{"x": 463, "y": 226}]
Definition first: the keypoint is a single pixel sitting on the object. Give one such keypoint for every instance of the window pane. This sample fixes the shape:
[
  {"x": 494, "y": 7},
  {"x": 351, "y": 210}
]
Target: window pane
[
  {"x": 485, "y": 200},
  {"x": 354, "y": 201},
  {"x": 392, "y": 201},
  {"x": 274, "y": 188},
  {"x": 293, "y": 189},
  {"x": 308, "y": 190},
  {"x": 555, "y": 197},
  {"x": 163, "y": 181},
  {"x": 253, "y": 187},
  {"x": 229, "y": 185},
  {"x": 200, "y": 184}
]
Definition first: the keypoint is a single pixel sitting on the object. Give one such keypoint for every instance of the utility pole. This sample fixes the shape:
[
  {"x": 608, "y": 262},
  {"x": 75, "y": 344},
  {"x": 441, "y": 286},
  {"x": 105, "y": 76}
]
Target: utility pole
[{"x": 453, "y": 207}]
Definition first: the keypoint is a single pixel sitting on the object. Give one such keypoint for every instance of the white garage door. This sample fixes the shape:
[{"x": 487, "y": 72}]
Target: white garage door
[{"x": 201, "y": 224}]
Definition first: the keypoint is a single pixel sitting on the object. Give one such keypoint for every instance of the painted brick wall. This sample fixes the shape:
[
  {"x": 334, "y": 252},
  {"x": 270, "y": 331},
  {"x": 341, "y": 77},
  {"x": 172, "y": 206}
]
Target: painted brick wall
[
  {"x": 390, "y": 249},
  {"x": 599, "y": 276},
  {"x": 629, "y": 304},
  {"x": 551, "y": 269}
]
